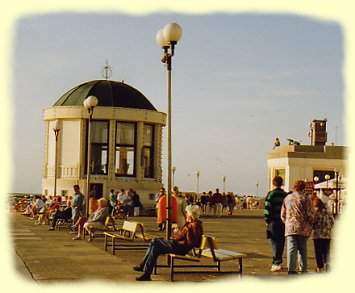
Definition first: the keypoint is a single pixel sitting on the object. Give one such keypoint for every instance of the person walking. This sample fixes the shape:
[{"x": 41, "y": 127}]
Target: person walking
[
  {"x": 298, "y": 215},
  {"x": 217, "y": 203},
  {"x": 275, "y": 227},
  {"x": 322, "y": 231},
  {"x": 112, "y": 201},
  {"x": 162, "y": 211},
  {"x": 181, "y": 206},
  {"x": 136, "y": 204}
]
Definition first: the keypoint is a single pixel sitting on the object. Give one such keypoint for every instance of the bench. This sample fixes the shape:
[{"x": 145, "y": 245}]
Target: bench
[
  {"x": 207, "y": 251},
  {"x": 125, "y": 238},
  {"x": 63, "y": 223},
  {"x": 90, "y": 230}
]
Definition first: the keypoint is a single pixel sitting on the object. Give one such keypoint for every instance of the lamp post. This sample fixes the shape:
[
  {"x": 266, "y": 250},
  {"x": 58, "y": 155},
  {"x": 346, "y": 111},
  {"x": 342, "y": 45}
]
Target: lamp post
[
  {"x": 89, "y": 103},
  {"x": 257, "y": 189},
  {"x": 167, "y": 38},
  {"x": 197, "y": 183},
  {"x": 173, "y": 169},
  {"x": 336, "y": 172},
  {"x": 56, "y": 129},
  {"x": 224, "y": 183},
  {"x": 327, "y": 177}
]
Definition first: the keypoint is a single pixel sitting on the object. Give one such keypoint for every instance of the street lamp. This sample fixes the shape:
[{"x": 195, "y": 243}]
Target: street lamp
[
  {"x": 173, "y": 169},
  {"x": 197, "y": 183},
  {"x": 167, "y": 38},
  {"x": 56, "y": 129},
  {"x": 224, "y": 183},
  {"x": 89, "y": 103},
  {"x": 257, "y": 189},
  {"x": 327, "y": 177},
  {"x": 336, "y": 172}
]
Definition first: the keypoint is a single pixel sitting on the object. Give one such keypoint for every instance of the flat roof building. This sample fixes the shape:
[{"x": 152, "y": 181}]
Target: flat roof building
[{"x": 295, "y": 161}]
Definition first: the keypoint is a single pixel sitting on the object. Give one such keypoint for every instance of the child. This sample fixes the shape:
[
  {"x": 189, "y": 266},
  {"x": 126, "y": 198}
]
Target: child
[{"x": 322, "y": 229}]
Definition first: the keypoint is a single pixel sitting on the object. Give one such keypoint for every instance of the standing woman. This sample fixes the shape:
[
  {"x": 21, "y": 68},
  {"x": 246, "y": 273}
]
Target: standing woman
[
  {"x": 322, "y": 230},
  {"x": 181, "y": 207},
  {"x": 298, "y": 215}
]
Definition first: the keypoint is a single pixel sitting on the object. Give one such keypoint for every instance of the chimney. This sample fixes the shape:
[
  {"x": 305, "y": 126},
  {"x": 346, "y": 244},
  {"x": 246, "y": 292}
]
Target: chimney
[{"x": 318, "y": 132}]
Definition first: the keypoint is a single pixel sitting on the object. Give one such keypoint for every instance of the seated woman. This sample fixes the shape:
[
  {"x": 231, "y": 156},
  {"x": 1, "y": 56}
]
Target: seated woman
[
  {"x": 95, "y": 220},
  {"x": 182, "y": 240},
  {"x": 48, "y": 210},
  {"x": 64, "y": 214}
]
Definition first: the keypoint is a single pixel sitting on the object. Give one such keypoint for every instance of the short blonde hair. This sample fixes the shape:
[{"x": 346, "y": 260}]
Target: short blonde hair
[
  {"x": 193, "y": 211},
  {"x": 101, "y": 200}
]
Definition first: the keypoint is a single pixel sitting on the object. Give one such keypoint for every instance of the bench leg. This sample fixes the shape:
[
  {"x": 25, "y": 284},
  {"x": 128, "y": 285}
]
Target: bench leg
[
  {"x": 105, "y": 243},
  {"x": 113, "y": 246},
  {"x": 240, "y": 267},
  {"x": 171, "y": 268}
]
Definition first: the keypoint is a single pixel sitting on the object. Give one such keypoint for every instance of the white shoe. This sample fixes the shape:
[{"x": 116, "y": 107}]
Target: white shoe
[{"x": 275, "y": 268}]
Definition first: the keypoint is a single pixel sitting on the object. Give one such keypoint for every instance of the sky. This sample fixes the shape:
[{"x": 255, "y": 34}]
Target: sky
[
  {"x": 239, "y": 80},
  {"x": 244, "y": 73}
]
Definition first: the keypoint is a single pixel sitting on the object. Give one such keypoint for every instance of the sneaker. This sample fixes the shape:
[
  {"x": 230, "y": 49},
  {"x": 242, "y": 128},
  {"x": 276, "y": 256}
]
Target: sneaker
[
  {"x": 275, "y": 268},
  {"x": 77, "y": 238},
  {"x": 51, "y": 229}
]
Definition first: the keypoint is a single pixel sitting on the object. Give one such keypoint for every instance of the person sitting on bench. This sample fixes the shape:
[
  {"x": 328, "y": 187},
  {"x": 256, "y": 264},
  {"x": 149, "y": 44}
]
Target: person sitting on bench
[
  {"x": 65, "y": 214},
  {"x": 181, "y": 242},
  {"x": 95, "y": 220}
]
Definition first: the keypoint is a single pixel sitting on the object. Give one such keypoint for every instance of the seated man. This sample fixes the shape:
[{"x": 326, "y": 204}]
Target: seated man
[
  {"x": 65, "y": 214},
  {"x": 183, "y": 240},
  {"x": 95, "y": 220}
]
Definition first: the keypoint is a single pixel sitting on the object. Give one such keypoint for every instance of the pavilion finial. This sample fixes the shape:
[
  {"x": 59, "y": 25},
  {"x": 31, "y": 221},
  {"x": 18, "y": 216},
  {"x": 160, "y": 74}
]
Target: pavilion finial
[{"x": 107, "y": 71}]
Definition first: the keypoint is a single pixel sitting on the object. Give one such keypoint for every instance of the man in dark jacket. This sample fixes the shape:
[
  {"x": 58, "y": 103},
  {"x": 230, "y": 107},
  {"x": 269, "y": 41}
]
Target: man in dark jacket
[{"x": 275, "y": 226}]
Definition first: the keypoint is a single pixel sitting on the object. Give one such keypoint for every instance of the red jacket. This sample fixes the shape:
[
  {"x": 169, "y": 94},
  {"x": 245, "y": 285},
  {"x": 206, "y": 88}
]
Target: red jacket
[{"x": 162, "y": 214}]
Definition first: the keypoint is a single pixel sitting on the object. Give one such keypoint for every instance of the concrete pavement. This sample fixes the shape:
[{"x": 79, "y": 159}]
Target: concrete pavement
[{"x": 52, "y": 256}]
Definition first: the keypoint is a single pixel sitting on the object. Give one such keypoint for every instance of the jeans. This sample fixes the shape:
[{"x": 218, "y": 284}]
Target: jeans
[
  {"x": 322, "y": 251},
  {"x": 159, "y": 247},
  {"x": 277, "y": 239},
  {"x": 296, "y": 248},
  {"x": 75, "y": 214}
]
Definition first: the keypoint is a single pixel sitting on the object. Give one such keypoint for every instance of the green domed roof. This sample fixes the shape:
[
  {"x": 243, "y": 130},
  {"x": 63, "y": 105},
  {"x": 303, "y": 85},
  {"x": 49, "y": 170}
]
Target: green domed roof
[{"x": 109, "y": 94}]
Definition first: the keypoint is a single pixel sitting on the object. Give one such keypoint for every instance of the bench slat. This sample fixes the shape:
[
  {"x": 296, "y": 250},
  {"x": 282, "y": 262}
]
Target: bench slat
[{"x": 185, "y": 257}]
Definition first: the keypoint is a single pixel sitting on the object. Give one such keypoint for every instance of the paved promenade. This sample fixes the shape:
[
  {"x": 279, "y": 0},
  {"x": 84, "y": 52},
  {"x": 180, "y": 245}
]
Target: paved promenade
[{"x": 44, "y": 256}]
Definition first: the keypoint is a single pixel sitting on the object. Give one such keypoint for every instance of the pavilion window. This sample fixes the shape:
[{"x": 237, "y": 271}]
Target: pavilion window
[
  {"x": 125, "y": 149},
  {"x": 148, "y": 150},
  {"x": 99, "y": 147}
]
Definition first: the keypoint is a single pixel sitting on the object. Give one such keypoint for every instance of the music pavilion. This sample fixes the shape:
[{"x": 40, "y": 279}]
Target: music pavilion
[{"x": 126, "y": 141}]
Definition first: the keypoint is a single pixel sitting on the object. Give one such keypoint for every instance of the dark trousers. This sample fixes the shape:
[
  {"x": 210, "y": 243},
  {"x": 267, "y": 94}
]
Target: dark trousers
[
  {"x": 66, "y": 215},
  {"x": 276, "y": 232},
  {"x": 322, "y": 251},
  {"x": 159, "y": 247}
]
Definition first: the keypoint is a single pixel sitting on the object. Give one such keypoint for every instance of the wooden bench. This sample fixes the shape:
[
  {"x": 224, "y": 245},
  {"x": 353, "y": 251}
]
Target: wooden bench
[
  {"x": 63, "y": 223},
  {"x": 109, "y": 226},
  {"x": 207, "y": 251},
  {"x": 125, "y": 238}
]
